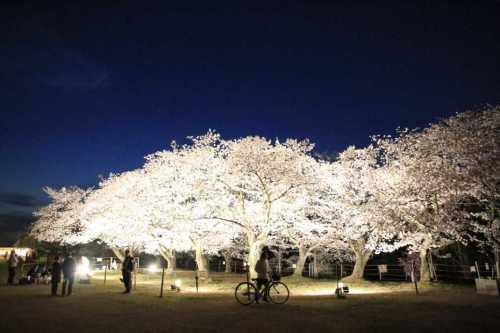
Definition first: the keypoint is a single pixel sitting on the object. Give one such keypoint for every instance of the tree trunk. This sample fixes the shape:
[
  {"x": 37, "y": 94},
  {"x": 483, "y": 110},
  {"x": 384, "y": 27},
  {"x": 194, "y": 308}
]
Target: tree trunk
[
  {"x": 228, "y": 260},
  {"x": 463, "y": 259},
  {"x": 201, "y": 260},
  {"x": 497, "y": 262},
  {"x": 118, "y": 253},
  {"x": 303, "y": 254},
  {"x": 255, "y": 248},
  {"x": 170, "y": 258},
  {"x": 362, "y": 257},
  {"x": 425, "y": 273}
]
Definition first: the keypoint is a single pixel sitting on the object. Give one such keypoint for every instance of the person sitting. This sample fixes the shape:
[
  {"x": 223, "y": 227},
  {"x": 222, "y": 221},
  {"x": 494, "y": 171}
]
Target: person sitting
[
  {"x": 41, "y": 273},
  {"x": 32, "y": 274}
]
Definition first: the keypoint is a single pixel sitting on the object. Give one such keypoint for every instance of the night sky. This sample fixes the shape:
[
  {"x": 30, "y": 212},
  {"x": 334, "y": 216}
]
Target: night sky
[{"x": 90, "y": 89}]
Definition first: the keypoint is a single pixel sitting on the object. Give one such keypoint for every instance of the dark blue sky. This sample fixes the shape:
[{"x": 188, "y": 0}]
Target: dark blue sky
[{"x": 90, "y": 89}]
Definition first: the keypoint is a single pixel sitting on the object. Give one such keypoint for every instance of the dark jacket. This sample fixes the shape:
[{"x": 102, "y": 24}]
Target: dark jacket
[
  {"x": 128, "y": 264},
  {"x": 69, "y": 267},
  {"x": 56, "y": 272}
]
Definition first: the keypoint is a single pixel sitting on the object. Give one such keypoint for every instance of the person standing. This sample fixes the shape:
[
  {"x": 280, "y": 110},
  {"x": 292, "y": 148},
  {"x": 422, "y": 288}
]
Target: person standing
[
  {"x": 263, "y": 275},
  {"x": 68, "y": 269},
  {"x": 12, "y": 262},
  {"x": 127, "y": 270},
  {"x": 55, "y": 275}
]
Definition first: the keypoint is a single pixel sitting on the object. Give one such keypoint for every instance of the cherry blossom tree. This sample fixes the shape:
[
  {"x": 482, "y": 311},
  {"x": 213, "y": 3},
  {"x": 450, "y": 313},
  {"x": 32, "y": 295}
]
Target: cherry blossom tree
[
  {"x": 434, "y": 173},
  {"x": 261, "y": 179},
  {"x": 311, "y": 224},
  {"x": 59, "y": 221},
  {"x": 117, "y": 214},
  {"x": 184, "y": 183},
  {"x": 354, "y": 207}
]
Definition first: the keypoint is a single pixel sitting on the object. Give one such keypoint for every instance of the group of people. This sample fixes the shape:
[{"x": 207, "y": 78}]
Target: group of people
[{"x": 68, "y": 270}]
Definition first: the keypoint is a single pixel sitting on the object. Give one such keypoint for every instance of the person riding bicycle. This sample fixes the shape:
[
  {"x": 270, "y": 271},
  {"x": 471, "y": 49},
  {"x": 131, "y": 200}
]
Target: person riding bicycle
[{"x": 264, "y": 273}]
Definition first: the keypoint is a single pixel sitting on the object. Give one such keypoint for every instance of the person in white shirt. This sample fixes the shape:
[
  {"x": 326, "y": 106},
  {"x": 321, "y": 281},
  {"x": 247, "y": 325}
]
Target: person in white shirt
[
  {"x": 263, "y": 274},
  {"x": 13, "y": 261}
]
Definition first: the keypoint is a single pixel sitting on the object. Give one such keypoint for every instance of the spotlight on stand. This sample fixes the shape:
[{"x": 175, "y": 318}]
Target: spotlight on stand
[
  {"x": 83, "y": 270},
  {"x": 152, "y": 268},
  {"x": 342, "y": 290},
  {"x": 176, "y": 286}
]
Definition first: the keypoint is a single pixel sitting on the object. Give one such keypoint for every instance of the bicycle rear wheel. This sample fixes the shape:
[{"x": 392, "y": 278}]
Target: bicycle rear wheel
[
  {"x": 278, "y": 293},
  {"x": 245, "y": 293}
]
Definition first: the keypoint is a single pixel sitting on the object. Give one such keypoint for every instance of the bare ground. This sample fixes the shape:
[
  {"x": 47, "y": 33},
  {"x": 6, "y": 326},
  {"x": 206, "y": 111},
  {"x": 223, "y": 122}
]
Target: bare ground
[{"x": 371, "y": 307}]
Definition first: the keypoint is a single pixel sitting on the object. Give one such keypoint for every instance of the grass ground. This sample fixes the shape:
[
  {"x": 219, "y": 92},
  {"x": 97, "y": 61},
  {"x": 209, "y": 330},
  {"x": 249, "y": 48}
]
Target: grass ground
[{"x": 371, "y": 307}]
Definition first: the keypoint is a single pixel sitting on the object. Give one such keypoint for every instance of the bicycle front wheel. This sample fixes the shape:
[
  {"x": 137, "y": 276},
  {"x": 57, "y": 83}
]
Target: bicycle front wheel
[
  {"x": 245, "y": 293},
  {"x": 278, "y": 293}
]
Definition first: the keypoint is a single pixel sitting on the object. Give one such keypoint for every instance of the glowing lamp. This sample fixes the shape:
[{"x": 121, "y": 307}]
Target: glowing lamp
[
  {"x": 83, "y": 270},
  {"x": 342, "y": 290},
  {"x": 152, "y": 268},
  {"x": 176, "y": 286}
]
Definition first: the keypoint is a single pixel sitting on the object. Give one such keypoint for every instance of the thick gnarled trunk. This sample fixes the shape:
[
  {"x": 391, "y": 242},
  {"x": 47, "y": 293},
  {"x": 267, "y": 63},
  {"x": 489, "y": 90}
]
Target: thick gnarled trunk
[
  {"x": 201, "y": 260},
  {"x": 228, "y": 260},
  {"x": 497, "y": 261},
  {"x": 362, "y": 257},
  {"x": 170, "y": 258},
  {"x": 255, "y": 248},
  {"x": 118, "y": 253},
  {"x": 303, "y": 254},
  {"x": 425, "y": 273}
]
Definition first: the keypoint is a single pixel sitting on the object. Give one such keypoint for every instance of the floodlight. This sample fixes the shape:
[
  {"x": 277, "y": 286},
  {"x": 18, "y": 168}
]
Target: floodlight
[{"x": 153, "y": 268}]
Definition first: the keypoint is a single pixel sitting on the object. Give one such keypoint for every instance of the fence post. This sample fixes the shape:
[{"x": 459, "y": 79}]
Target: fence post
[
  {"x": 315, "y": 266},
  {"x": 196, "y": 278},
  {"x": 279, "y": 261},
  {"x": 477, "y": 269},
  {"x": 136, "y": 271},
  {"x": 105, "y": 273},
  {"x": 432, "y": 269},
  {"x": 162, "y": 279},
  {"x": 413, "y": 277},
  {"x": 497, "y": 262}
]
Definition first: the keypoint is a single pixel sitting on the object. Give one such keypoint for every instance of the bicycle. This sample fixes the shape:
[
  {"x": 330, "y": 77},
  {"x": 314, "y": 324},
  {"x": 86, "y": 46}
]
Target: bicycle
[{"x": 277, "y": 292}]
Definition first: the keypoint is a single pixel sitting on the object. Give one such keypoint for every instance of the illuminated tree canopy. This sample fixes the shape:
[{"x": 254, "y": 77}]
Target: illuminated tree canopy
[{"x": 218, "y": 195}]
